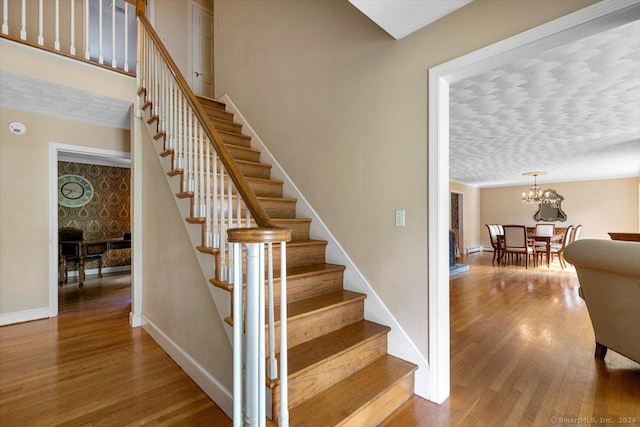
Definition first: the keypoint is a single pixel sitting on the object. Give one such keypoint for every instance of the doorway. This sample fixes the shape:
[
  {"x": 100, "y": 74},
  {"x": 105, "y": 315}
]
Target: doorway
[
  {"x": 590, "y": 20},
  {"x": 81, "y": 155},
  {"x": 202, "y": 50}
]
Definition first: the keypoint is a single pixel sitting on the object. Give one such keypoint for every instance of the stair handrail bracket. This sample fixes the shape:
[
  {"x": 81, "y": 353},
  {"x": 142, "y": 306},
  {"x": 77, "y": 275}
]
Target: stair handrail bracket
[{"x": 251, "y": 392}]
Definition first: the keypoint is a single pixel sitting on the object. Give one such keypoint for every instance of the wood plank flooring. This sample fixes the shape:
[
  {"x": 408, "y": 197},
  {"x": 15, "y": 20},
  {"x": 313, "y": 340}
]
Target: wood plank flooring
[
  {"x": 522, "y": 352},
  {"x": 88, "y": 367}
]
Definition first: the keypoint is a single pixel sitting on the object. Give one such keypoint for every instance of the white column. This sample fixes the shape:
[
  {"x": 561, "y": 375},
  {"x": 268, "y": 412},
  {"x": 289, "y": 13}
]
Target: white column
[
  {"x": 253, "y": 380},
  {"x": 273, "y": 367},
  {"x": 284, "y": 363},
  {"x": 237, "y": 340},
  {"x": 126, "y": 37}
]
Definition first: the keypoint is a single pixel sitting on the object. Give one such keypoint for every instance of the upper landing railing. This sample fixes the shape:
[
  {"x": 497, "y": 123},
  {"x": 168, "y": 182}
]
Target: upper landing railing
[{"x": 102, "y": 32}]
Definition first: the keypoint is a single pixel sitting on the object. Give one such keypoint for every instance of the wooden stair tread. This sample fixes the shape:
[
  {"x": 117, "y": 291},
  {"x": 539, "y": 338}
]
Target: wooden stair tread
[
  {"x": 296, "y": 243},
  {"x": 211, "y": 101},
  {"x": 173, "y": 172},
  {"x": 187, "y": 194},
  {"x": 315, "y": 304},
  {"x": 305, "y": 355},
  {"x": 336, "y": 404},
  {"x": 292, "y": 273}
]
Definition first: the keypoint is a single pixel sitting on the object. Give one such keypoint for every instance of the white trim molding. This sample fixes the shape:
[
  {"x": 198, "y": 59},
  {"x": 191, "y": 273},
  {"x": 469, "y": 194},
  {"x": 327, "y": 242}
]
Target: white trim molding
[
  {"x": 398, "y": 342},
  {"x": 24, "y": 316},
  {"x": 582, "y": 23},
  {"x": 216, "y": 391}
]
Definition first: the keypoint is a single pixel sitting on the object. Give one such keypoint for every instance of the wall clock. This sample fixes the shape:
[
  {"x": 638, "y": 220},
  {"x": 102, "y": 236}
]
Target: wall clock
[{"x": 74, "y": 191}]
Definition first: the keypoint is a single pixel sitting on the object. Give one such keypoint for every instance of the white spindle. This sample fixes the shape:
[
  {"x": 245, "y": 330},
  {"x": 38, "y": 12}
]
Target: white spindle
[
  {"x": 181, "y": 128},
  {"x": 237, "y": 340},
  {"x": 114, "y": 63},
  {"x": 190, "y": 153},
  {"x": 216, "y": 206},
  {"x": 23, "y": 28},
  {"x": 284, "y": 363},
  {"x": 126, "y": 36},
  {"x": 72, "y": 47},
  {"x": 223, "y": 228},
  {"x": 254, "y": 381},
  {"x": 100, "y": 56},
  {"x": 202, "y": 172},
  {"x": 40, "y": 23},
  {"x": 56, "y": 43},
  {"x": 87, "y": 52},
  {"x": 5, "y": 14},
  {"x": 259, "y": 287},
  {"x": 273, "y": 367},
  {"x": 229, "y": 206},
  {"x": 208, "y": 231}
]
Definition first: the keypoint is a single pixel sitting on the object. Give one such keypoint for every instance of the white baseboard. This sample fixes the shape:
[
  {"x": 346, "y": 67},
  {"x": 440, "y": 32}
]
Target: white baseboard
[
  {"x": 398, "y": 342},
  {"x": 105, "y": 270},
  {"x": 216, "y": 391},
  {"x": 24, "y": 316}
]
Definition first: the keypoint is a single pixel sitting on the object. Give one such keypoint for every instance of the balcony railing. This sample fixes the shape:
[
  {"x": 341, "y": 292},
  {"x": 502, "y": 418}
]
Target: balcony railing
[{"x": 102, "y": 32}]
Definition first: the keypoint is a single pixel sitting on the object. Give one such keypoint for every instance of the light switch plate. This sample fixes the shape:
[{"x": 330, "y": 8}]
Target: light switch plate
[{"x": 400, "y": 218}]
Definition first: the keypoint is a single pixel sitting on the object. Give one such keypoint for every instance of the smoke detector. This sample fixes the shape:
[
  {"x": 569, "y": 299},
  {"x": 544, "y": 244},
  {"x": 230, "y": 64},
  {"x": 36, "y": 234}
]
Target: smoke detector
[{"x": 17, "y": 128}]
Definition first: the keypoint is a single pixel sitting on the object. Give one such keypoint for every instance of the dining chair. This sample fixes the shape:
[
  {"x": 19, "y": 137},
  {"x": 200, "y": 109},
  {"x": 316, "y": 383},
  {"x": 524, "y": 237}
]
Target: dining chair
[
  {"x": 70, "y": 252},
  {"x": 494, "y": 231},
  {"x": 558, "y": 248},
  {"x": 516, "y": 243},
  {"x": 576, "y": 233},
  {"x": 544, "y": 230}
]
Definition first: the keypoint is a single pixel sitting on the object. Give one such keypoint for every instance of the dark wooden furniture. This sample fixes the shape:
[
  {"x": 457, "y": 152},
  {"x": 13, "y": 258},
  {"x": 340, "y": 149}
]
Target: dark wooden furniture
[
  {"x": 72, "y": 248},
  {"x": 628, "y": 237}
]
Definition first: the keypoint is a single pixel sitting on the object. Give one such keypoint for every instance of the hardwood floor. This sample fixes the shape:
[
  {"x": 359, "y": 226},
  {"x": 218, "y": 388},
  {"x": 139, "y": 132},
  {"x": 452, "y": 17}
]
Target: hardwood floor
[
  {"x": 88, "y": 367},
  {"x": 522, "y": 352}
]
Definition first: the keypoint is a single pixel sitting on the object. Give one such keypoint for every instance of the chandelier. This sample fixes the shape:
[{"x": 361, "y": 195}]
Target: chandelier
[{"x": 535, "y": 195}]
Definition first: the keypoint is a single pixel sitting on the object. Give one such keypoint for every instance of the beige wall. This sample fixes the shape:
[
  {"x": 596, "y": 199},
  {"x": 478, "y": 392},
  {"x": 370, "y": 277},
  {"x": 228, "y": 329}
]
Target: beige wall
[
  {"x": 600, "y": 206},
  {"x": 343, "y": 107},
  {"x": 24, "y": 200},
  {"x": 470, "y": 214},
  {"x": 176, "y": 297}
]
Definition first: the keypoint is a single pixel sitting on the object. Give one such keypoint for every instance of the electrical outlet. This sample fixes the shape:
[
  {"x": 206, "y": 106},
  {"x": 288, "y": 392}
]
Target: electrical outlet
[{"x": 400, "y": 218}]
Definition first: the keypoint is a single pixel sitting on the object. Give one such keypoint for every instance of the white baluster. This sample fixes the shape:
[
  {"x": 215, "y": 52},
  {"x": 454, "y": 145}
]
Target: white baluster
[
  {"x": 216, "y": 205},
  {"x": 190, "y": 147},
  {"x": 237, "y": 340},
  {"x": 5, "y": 14},
  {"x": 196, "y": 169},
  {"x": 223, "y": 228},
  {"x": 229, "y": 205},
  {"x": 100, "y": 57},
  {"x": 87, "y": 52},
  {"x": 181, "y": 127},
  {"x": 202, "y": 171},
  {"x": 273, "y": 367},
  {"x": 40, "y": 23},
  {"x": 139, "y": 70},
  {"x": 114, "y": 63},
  {"x": 284, "y": 363},
  {"x": 262, "y": 402},
  {"x": 23, "y": 29},
  {"x": 126, "y": 36},
  {"x": 72, "y": 47},
  {"x": 254, "y": 381},
  {"x": 56, "y": 43},
  {"x": 208, "y": 196}
]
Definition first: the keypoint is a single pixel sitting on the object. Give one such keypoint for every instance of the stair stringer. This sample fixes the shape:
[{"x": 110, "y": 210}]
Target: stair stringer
[
  {"x": 221, "y": 298},
  {"x": 399, "y": 343}
]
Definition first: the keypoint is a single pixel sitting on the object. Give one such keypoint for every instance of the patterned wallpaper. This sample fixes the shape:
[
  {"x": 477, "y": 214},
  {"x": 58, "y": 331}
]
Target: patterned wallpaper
[{"x": 107, "y": 215}]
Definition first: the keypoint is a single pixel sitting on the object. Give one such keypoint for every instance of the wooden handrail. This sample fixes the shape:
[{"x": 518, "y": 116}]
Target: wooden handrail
[{"x": 248, "y": 196}]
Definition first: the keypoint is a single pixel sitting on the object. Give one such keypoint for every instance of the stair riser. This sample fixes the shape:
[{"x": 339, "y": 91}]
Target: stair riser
[
  {"x": 255, "y": 170},
  {"x": 235, "y": 139},
  {"x": 299, "y": 288},
  {"x": 222, "y": 115},
  {"x": 312, "y": 326},
  {"x": 275, "y": 208},
  {"x": 212, "y": 104},
  {"x": 240, "y": 154},
  {"x": 305, "y": 385},
  {"x": 374, "y": 413},
  {"x": 297, "y": 255},
  {"x": 224, "y": 125}
]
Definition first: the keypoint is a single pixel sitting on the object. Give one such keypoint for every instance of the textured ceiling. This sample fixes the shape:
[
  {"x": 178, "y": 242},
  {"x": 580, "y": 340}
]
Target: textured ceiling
[
  {"x": 27, "y": 94},
  {"x": 573, "y": 111}
]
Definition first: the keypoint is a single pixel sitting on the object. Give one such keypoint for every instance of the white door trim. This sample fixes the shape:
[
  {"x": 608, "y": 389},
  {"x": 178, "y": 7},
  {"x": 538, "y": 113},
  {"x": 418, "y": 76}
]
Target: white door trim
[
  {"x": 590, "y": 20},
  {"x": 54, "y": 150}
]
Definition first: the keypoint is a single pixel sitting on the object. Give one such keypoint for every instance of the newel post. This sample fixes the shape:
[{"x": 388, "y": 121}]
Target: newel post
[
  {"x": 252, "y": 389},
  {"x": 141, "y": 6}
]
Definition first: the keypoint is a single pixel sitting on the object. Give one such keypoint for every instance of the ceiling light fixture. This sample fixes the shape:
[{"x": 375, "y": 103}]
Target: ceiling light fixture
[{"x": 536, "y": 196}]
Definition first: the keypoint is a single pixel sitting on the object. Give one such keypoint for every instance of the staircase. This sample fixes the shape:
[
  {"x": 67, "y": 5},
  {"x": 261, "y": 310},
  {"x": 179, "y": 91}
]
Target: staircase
[{"x": 339, "y": 369}]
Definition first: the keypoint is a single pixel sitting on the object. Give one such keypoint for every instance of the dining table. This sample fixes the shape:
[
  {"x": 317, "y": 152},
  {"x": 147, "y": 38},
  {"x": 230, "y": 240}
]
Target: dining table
[{"x": 547, "y": 239}]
